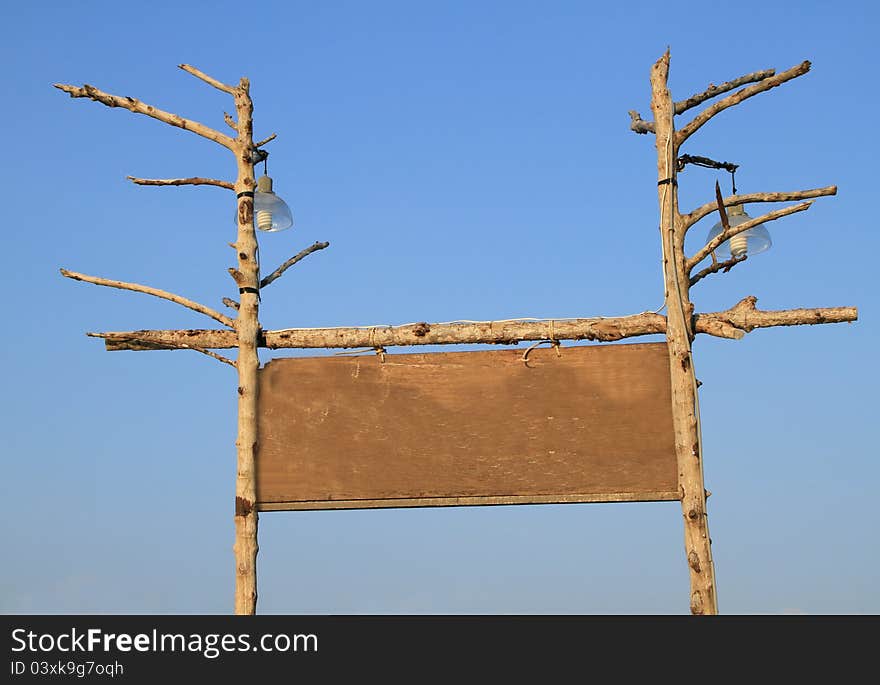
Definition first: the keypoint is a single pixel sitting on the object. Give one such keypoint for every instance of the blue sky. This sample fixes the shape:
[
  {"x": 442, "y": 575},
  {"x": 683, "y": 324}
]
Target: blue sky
[{"x": 466, "y": 161}]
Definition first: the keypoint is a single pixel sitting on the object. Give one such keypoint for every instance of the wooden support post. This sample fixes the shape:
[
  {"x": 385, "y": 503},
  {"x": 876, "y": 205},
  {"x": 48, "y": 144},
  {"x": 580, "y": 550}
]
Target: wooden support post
[
  {"x": 247, "y": 277},
  {"x": 679, "y": 334}
]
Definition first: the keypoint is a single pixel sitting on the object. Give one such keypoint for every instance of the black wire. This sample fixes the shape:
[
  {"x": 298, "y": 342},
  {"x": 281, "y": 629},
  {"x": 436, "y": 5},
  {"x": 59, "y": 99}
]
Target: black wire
[
  {"x": 682, "y": 161},
  {"x": 707, "y": 163}
]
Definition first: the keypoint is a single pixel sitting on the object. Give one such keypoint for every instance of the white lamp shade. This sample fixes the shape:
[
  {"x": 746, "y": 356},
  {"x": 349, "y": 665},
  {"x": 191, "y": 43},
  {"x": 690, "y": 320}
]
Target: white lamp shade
[
  {"x": 271, "y": 213},
  {"x": 750, "y": 242}
]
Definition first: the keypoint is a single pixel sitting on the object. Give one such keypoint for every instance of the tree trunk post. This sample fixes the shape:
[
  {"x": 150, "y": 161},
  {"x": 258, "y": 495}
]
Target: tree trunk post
[
  {"x": 679, "y": 334},
  {"x": 247, "y": 277}
]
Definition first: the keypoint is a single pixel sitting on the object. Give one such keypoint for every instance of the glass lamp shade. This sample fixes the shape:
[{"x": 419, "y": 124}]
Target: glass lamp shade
[
  {"x": 749, "y": 242},
  {"x": 271, "y": 213}
]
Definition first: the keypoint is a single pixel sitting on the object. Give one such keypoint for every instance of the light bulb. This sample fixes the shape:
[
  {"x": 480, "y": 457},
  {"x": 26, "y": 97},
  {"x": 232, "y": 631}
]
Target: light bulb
[
  {"x": 749, "y": 242},
  {"x": 264, "y": 219},
  {"x": 271, "y": 213}
]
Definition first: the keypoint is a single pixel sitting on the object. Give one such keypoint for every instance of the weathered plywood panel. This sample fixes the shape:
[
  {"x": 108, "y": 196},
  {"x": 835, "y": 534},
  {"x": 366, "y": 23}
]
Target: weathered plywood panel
[{"x": 464, "y": 428}]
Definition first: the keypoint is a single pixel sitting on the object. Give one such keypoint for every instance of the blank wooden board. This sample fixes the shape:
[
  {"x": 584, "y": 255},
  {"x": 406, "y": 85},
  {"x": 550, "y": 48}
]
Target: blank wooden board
[{"x": 591, "y": 424}]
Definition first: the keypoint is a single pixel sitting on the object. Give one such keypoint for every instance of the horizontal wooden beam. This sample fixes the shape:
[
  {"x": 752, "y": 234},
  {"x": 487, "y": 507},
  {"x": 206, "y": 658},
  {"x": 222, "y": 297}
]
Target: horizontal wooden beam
[
  {"x": 493, "y": 332},
  {"x": 733, "y": 323},
  {"x": 665, "y": 496}
]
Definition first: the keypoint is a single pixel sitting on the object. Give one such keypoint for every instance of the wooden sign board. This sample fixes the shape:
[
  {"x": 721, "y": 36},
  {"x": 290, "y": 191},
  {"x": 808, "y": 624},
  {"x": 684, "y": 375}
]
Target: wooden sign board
[{"x": 592, "y": 424}]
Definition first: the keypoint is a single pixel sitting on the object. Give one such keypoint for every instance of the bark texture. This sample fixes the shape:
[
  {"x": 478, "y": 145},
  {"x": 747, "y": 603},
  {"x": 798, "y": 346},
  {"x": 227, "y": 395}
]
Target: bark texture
[
  {"x": 248, "y": 328},
  {"x": 192, "y": 181},
  {"x": 735, "y": 98},
  {"x": 293, "y": 260},
  {"x": 138, "y": 107},
  {"x": 703, "y": 599},
  {"x": 706, "y": 209},
  {"x": 732, "y": 323},
  {"x": 149, "y": 290},
  {"x": 713, "y": 90}
]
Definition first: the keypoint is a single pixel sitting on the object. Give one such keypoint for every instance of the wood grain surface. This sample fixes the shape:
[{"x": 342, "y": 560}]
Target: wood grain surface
[{"x": 592, "y": 424}]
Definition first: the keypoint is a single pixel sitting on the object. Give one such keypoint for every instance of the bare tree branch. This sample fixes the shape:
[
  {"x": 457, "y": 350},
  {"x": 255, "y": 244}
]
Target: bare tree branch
[
  {"x": 718, "y": 266},
  {"x": 745, "y": 316},
  {"x": 732, "y": 323},
  {"x": 713, "y": 90},
  {"x": 207, "y": 79},
  {"x": 638, "y": 124},
  {"x": 704, "y": 210},
  {"x": 194, "y": 181},
  {"x": 497, "y": 332},
  {"x": 293, "y": 260},
  {"x": 232, "y": 304},
  {"x": 266, "y": 140},
  {"x": 728, "y": 233},
  {"x": 138, "y": 107},
  {"x": 155, "y": 292},
  {"x": 740, "y": 95},
  {"x": 236, "y": 276},
  {"x": 143, "y": 345},
  {"x": 218, "y": 357}
]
